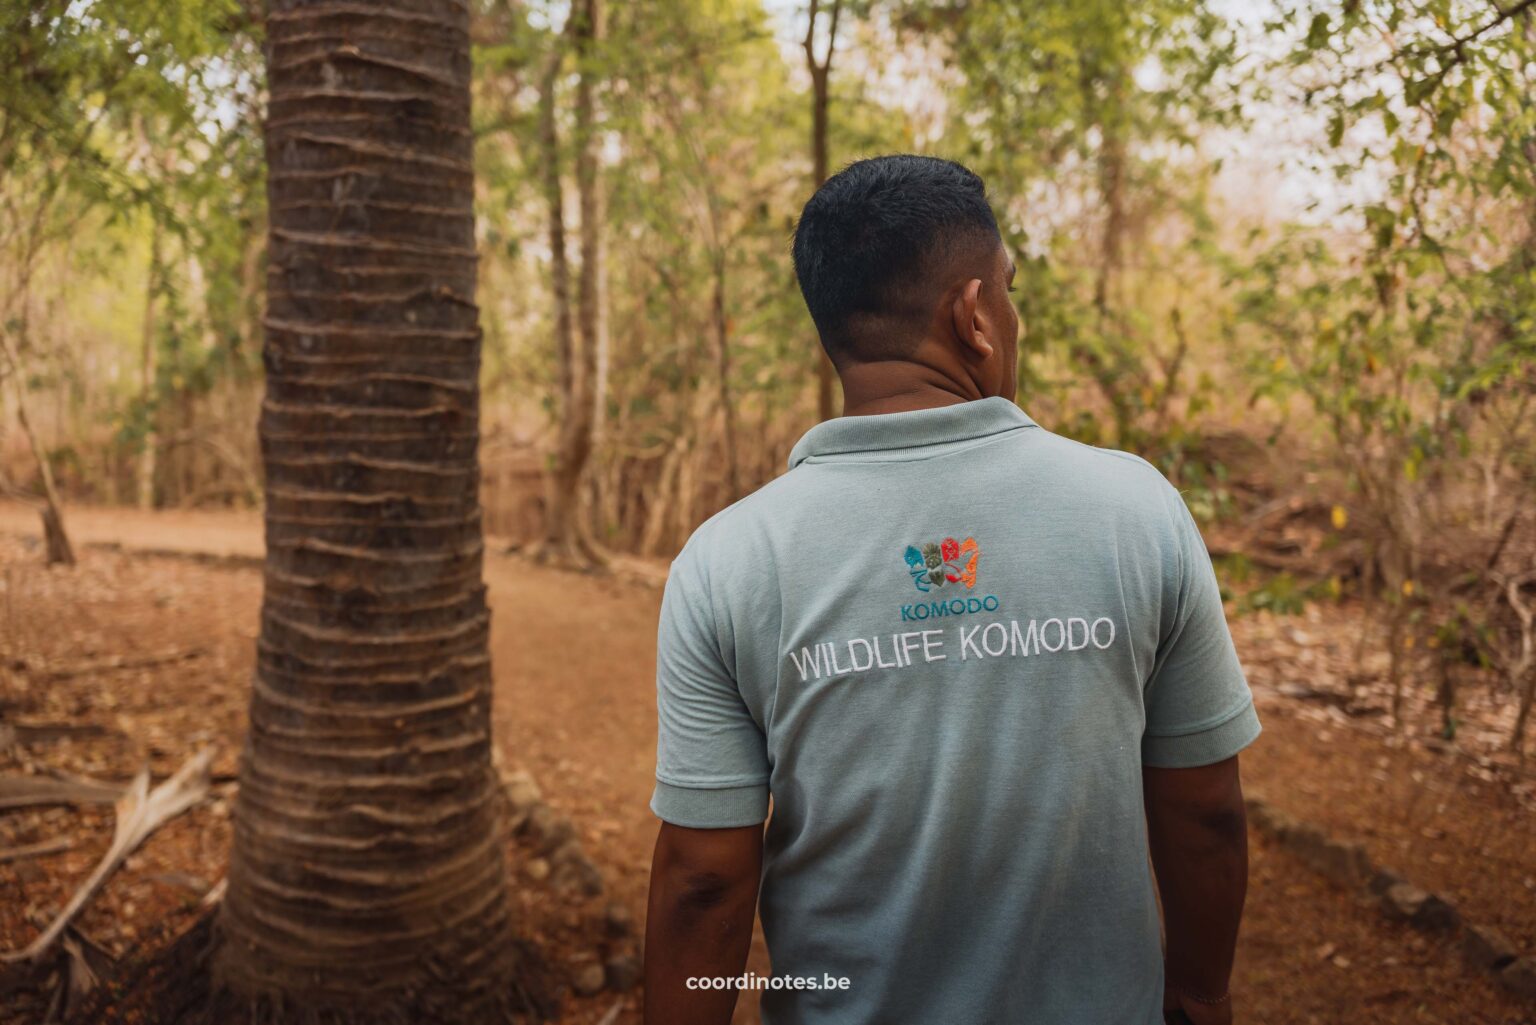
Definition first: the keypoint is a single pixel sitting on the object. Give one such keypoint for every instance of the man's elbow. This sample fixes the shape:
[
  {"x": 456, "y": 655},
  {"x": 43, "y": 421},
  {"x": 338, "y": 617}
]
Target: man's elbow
[
  {"x": 1227, "y": 821},
  {"x": 1205, "y": 801},
  {"x": 698, "y": 892},
  {"x": 703, "y": 873}
]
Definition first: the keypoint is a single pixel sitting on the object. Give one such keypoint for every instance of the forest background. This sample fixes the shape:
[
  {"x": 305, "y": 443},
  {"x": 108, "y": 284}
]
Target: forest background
[{"x": 1286, "y": 251}]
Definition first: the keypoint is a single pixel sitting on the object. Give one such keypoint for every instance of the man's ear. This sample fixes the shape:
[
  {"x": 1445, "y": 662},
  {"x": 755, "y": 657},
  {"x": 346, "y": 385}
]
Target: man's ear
[{"x": 966, "y": 318}]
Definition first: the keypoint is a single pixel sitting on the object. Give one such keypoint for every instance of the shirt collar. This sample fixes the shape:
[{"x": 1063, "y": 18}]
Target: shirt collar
[{"x": 942, "y": 425}]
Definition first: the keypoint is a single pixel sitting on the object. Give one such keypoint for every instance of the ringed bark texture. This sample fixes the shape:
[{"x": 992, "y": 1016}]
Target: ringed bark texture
[{"x": 368, "y": 872}]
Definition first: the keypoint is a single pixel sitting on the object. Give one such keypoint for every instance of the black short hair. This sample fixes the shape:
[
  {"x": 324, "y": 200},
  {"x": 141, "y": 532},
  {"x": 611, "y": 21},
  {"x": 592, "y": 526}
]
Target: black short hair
[{"x": 870, "y": 245}]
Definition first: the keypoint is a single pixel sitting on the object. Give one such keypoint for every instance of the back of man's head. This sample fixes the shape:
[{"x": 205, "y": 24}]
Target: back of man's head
[{"x": 879, "y": 243}]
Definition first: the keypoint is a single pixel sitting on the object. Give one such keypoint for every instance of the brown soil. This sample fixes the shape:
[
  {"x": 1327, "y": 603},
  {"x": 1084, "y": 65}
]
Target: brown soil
[
  {"x": 574, "y": 659},
  {"x": 1463, "y": 826}
]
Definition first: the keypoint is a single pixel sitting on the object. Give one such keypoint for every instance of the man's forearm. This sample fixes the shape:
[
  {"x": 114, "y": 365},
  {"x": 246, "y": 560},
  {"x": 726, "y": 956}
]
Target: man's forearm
[
  {"x": 1203, "y": 879},
  {"x": 698, "y": 926},
  {"x": 1199, "y": 843}
]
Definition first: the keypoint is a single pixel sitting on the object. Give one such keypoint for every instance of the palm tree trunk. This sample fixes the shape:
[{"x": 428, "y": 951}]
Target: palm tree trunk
[{"x": 367, "y": 880}]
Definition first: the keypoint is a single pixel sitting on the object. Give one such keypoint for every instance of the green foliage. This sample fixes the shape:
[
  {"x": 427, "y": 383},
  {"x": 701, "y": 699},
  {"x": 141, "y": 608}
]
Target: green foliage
[
  {"x": 118, "y": 123},
  {"x": 1388, "y": 333},
  {"x": 1204, "y": 485},
  {"x": 706, "y": 144},
  {"x": 79, "y": 80},
  {"x": 1280, "y": 595},
  {"x": 1083, "y": 117},
  {"x": 1406, "y": 324}
]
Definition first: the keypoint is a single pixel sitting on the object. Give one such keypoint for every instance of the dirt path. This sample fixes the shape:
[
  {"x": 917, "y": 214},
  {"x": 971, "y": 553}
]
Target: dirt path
[
  {"x": 574, "y": 658},
  {"x": 232, "y": 535}
]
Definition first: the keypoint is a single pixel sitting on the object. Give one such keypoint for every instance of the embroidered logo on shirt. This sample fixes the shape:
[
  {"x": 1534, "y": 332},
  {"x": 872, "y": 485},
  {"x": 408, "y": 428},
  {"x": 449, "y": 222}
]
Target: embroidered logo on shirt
[{"x": 934, "y": 565}]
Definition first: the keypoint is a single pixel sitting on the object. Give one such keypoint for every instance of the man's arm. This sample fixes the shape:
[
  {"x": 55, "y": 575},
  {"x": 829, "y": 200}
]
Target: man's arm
[
  {"x": 1198, "y": 832},
  {"x": 699, "y": 920}
]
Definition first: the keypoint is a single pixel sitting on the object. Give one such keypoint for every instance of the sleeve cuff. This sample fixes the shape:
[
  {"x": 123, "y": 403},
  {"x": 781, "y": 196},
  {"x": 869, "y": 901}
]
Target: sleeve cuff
[
  {"x": 725, "y": 808},
  {"x": 1207, "y": 746}
]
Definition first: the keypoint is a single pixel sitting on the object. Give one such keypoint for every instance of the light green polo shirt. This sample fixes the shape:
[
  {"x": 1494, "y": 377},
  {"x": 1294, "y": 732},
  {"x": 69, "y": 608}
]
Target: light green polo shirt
[{"x": 945, "y": 644}]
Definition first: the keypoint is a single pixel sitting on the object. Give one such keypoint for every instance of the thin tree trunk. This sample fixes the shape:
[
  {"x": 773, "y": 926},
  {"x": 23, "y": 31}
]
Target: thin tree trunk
[
  {"x": 1396, "y": 623},
  {"x": 1445, "y": 697},
  {"x": 55, "y": 537},
  {"x": 558, "y": 516},
  {"x": 367, "y": 879},
  {"x": 610, "y": 496},
  {"x": 1522, "y": 673},
  {"x": 658, "y": 510},
  {"x": 592, "y": 301},
  {"x": 723, "y": 369},
  {"x": 1527, "y": 696},
  {"x": 821, "y": 71},
  {"x": 201, "y": 474},
  {"x": 145, "y": 473},
  {"x": 1111, "y": 175},
  {"x": 563, "y": 540},
  {"x": 250, "y": 288},
  {"x": 594, "y": 217},
  {"x": 1112, "y": 193},
  {"x": 683, "y": 496}
]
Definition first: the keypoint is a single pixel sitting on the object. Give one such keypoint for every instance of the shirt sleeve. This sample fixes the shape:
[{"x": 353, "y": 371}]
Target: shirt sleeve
[
  {"x": 711, "y": 755},
  {"x": 1199, "y": 708}
]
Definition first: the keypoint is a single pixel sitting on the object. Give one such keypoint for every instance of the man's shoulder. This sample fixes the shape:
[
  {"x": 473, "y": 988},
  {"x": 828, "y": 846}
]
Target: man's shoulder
[
  {"x": 733, "y": 532},
  {"x": 1103, "y": 473},
  {"x": 1073, "y": 474}
]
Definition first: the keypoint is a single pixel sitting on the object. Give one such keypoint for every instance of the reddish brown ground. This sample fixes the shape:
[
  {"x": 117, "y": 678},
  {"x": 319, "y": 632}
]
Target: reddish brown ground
[{"x": 574, "y": 660}]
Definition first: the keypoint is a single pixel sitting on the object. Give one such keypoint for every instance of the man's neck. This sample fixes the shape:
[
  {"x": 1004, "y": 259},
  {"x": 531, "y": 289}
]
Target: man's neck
[{"x": 901, "y": 387}]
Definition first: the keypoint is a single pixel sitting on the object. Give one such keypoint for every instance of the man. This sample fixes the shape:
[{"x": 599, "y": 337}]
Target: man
[{"x": 981, "y": 670}]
